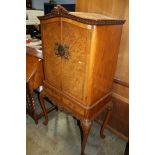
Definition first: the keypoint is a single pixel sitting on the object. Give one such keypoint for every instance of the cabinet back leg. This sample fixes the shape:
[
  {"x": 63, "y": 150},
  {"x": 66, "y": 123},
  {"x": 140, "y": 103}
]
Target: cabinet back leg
[
  {"x": 105, "y": 121},
  {"x": 42, "y": 103}
]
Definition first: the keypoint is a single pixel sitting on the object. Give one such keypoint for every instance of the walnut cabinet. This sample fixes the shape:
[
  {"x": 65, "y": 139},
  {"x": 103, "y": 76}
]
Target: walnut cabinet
[{"x": 80, "y": 54}]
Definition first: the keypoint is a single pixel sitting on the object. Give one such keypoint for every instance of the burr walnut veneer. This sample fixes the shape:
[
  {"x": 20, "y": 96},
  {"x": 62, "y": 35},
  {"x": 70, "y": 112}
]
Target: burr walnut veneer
[{"x": 80, "y": 53}]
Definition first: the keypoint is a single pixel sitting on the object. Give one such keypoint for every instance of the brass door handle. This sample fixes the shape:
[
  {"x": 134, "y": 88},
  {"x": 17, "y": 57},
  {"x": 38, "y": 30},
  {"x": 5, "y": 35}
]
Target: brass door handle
[{"x": 61, "y": 50}]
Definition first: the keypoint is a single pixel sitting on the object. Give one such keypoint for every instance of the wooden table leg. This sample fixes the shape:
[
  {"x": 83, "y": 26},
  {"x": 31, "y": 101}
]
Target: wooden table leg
[
  {"x": 86, "y": 126},
  {"x": 30, "y": 104},
  {"x": 34, "y": 113},
  {"x": 42, "y": 103},
  {"x": 105, "y": 121}
]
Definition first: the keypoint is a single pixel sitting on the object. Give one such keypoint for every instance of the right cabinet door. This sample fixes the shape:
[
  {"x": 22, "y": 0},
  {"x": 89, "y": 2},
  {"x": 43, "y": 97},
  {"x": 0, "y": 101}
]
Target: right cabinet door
[{"x": 74, "y": 68}]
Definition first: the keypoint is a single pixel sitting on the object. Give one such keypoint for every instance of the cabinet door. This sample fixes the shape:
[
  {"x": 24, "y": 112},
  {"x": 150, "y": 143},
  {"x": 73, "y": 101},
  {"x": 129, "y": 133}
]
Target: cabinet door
[
  {"x": 74, "y": 68},
  {"x": 51, "y": 33}
]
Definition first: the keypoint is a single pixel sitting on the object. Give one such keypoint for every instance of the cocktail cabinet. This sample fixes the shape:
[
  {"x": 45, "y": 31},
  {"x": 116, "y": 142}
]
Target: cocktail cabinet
[{"x": 80, "y": 53}]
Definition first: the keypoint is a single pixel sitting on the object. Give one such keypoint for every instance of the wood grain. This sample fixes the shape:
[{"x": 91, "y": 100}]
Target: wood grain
[
  {"x": 34, "y": 71},
  {"x": 105, "y": 45},
  {"x": 74, "y": 69},
  {"x": 52, "y": 62}
]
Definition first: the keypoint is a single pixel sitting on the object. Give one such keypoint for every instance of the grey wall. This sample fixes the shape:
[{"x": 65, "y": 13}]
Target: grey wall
[
  {"x": 39, "y": 4},
  {"x": 65, "y": 1}
]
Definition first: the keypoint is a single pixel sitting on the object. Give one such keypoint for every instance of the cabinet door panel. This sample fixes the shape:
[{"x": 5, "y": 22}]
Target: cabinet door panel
[
  {"x": 74, "y": 68},
  {"x": 52, "y": 63}
]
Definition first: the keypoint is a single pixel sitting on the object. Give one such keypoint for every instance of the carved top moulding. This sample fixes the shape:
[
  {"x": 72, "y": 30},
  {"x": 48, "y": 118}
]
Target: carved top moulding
[{"x": 83, "y": 17}]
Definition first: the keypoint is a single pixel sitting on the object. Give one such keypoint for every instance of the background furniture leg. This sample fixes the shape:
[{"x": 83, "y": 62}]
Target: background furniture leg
[
  {"x": 34, "y": 114},
  {"x": 30, "y": 104},
  {"x": 42, "y": 103},
  {"x": 86, "y": 126}
]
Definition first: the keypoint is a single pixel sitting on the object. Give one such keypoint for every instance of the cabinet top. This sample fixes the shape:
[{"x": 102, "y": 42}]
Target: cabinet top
[{"x": 83, "y": 17}]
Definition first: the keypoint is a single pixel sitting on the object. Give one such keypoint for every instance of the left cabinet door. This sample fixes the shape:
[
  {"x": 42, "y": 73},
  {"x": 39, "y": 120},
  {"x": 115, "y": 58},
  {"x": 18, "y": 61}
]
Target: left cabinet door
[{"x": 51, "y": 35}]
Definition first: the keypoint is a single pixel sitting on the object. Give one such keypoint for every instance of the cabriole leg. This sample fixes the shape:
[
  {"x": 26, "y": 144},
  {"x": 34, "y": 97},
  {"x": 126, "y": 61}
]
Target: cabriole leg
[{"x": 86, "y": 126}]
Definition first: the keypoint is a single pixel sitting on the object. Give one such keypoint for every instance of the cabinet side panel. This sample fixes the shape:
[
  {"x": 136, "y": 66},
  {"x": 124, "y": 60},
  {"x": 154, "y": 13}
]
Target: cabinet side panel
[
  {"x": 52, "y": 63},
  {"x": 107, "y": 39},
  {"x": 74, "y": 69}
]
